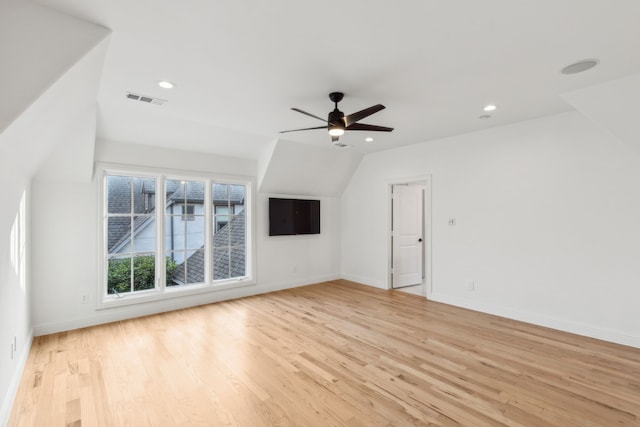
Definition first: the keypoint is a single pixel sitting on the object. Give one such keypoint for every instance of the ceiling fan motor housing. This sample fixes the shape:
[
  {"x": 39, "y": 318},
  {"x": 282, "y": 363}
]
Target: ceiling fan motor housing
[{"x": 336, "y": 119}]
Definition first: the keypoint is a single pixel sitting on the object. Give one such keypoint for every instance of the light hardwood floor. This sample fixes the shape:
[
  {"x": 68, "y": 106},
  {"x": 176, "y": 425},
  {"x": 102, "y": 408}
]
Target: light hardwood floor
[{"x": 331, "y": 354}]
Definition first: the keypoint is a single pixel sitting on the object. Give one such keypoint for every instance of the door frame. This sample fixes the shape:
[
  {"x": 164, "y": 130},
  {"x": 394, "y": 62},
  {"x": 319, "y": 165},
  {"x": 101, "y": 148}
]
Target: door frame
[{"x": 422, "y": 180}]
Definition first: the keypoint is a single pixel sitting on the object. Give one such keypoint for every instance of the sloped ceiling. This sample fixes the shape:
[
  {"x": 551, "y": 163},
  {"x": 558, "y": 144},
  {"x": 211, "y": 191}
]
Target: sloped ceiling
[
  {"x": 49, "y": 79},
  {"x": 304, "y": 170},
  {"x": 613, "y": 105},
  {"x": 38, "y": 47}
]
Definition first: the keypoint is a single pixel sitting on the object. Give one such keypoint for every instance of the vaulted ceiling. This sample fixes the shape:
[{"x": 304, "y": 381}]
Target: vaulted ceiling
[{"x": 240, "y": 66}]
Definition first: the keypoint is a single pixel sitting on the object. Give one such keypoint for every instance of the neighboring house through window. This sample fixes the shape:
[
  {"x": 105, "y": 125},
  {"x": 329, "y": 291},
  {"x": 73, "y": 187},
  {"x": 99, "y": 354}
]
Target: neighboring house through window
[{"x": 185, "y": 256}]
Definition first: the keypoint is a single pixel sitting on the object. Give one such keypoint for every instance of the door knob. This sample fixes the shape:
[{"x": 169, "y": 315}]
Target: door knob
[{"x": 420, "y": 239}]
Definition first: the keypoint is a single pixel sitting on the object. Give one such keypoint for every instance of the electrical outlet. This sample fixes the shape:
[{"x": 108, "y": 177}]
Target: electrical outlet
[
  {"x": 452, "y": 222},
  {"x": 84, "y": 299},
  {"x": 294, "y": 269},
  {"x": 472, "y": 286}
]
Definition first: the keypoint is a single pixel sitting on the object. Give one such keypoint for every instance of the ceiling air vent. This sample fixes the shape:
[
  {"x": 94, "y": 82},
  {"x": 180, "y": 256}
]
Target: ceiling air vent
[{"x": 145, "y": 98}]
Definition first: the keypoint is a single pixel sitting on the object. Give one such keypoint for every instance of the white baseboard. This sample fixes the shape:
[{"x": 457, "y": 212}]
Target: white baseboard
[
  {"x": 565, "y": 325},
  {"x": 10, "y": 397},
  {"x": 144, "y": 309},
  {"x": 365, "y": 280}
]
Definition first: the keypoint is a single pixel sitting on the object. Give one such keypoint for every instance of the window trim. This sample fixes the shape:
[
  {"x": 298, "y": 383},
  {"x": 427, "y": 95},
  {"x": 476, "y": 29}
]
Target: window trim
[{"x": 161, "y": 291}]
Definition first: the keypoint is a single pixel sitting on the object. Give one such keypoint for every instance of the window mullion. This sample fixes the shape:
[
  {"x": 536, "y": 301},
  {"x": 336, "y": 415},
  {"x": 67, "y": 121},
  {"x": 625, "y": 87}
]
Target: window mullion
[
  {"x": 208, "y": 231},
  {"x": 132, "y": 225},
  {"x": 160, "y": 219},
  {"x": 183, "y": 249},
  {"x": 229, "y": 218},
  {"x": 105, "y": 234}
]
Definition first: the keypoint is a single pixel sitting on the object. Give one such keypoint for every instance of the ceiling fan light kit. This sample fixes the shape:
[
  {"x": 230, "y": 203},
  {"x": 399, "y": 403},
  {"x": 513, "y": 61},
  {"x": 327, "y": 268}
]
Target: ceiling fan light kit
[{"x": 337, "y": 123}]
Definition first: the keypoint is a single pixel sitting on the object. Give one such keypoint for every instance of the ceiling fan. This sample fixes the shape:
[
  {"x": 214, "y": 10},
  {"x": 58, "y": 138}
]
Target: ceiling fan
[{"x": 337, "y": 123}]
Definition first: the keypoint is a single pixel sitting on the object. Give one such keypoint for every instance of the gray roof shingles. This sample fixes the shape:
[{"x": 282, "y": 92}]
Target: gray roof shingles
[
  {"x": 119, "y": 202},
  {"x": 228, "y": 261}
]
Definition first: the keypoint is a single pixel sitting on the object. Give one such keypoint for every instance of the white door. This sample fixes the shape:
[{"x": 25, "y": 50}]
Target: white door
[{"x": 407, "y": 235}]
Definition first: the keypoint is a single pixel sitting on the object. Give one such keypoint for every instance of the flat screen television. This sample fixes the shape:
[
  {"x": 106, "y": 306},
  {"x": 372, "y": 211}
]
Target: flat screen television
[{"x": 293, "y": 216}]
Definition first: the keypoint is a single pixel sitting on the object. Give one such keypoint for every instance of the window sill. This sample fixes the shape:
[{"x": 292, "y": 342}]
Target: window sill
[{"x": 142, "y": 297}]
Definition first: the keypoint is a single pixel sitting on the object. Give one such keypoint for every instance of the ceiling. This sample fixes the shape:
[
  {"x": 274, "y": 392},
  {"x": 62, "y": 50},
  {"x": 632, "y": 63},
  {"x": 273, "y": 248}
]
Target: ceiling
[{"x": 240, "y": 66}]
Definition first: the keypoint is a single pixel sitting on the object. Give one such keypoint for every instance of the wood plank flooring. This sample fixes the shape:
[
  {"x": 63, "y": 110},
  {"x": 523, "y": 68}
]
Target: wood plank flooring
[{"x": 331, "y": 354}]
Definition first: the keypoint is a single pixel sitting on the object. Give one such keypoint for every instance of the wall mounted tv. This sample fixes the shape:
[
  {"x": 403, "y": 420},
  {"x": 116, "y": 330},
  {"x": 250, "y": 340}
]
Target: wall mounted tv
[{"x": 293, "y": 216}]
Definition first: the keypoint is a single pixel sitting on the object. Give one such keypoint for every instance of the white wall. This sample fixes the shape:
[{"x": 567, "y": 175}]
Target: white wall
[
  {"x": 15, "y": 287},
  {"x": 50, "y": 67},
  {"x": 65, "y": 256},
  {"x": 547, "y": 223},
  {"x": 287, "y": 261}
]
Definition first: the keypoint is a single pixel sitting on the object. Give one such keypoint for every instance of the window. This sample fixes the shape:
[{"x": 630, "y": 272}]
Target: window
[
  {"x": 229, "y": 238},
  {"x": 222, "y": 216},
  {"x": 185, "y": 231},
  {"x": 131, "y": 248},
  {"x": 188, "y": 212},
  {"x": 153, "y": 253},
  {"x": 148, "y": 203}
]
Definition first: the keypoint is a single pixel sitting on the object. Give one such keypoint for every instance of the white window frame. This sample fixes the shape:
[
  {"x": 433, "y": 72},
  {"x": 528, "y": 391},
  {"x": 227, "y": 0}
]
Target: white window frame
[{"x": 161, "y": 291}]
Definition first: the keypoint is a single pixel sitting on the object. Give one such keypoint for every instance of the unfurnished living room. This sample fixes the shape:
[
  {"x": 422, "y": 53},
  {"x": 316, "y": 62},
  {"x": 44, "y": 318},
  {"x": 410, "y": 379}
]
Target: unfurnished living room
[{"x": 355, "y": 213}]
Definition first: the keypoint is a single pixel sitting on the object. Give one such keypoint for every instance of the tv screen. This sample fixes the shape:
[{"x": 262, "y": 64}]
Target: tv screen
[{"x": 293, "y": 216}]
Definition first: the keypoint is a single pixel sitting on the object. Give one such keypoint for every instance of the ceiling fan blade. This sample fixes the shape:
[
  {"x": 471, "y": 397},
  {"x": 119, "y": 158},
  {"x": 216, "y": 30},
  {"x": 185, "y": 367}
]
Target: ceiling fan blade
[
  {"x": 359, "y": 115},
  {"x": 374, "y": 128},
  {"x": 296, "y": 130},
  {"x": 309, "y": 114}
]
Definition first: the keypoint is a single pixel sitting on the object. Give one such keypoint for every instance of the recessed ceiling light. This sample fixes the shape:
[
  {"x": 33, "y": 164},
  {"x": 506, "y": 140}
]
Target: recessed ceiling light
[
  {"x": 165, "y": 84},
  {"x": 489, "y": 107},
  {"x": 368, "y": 139},
  {"x": 580, "y": 66},
  {"x": 484, "y": 117}
]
